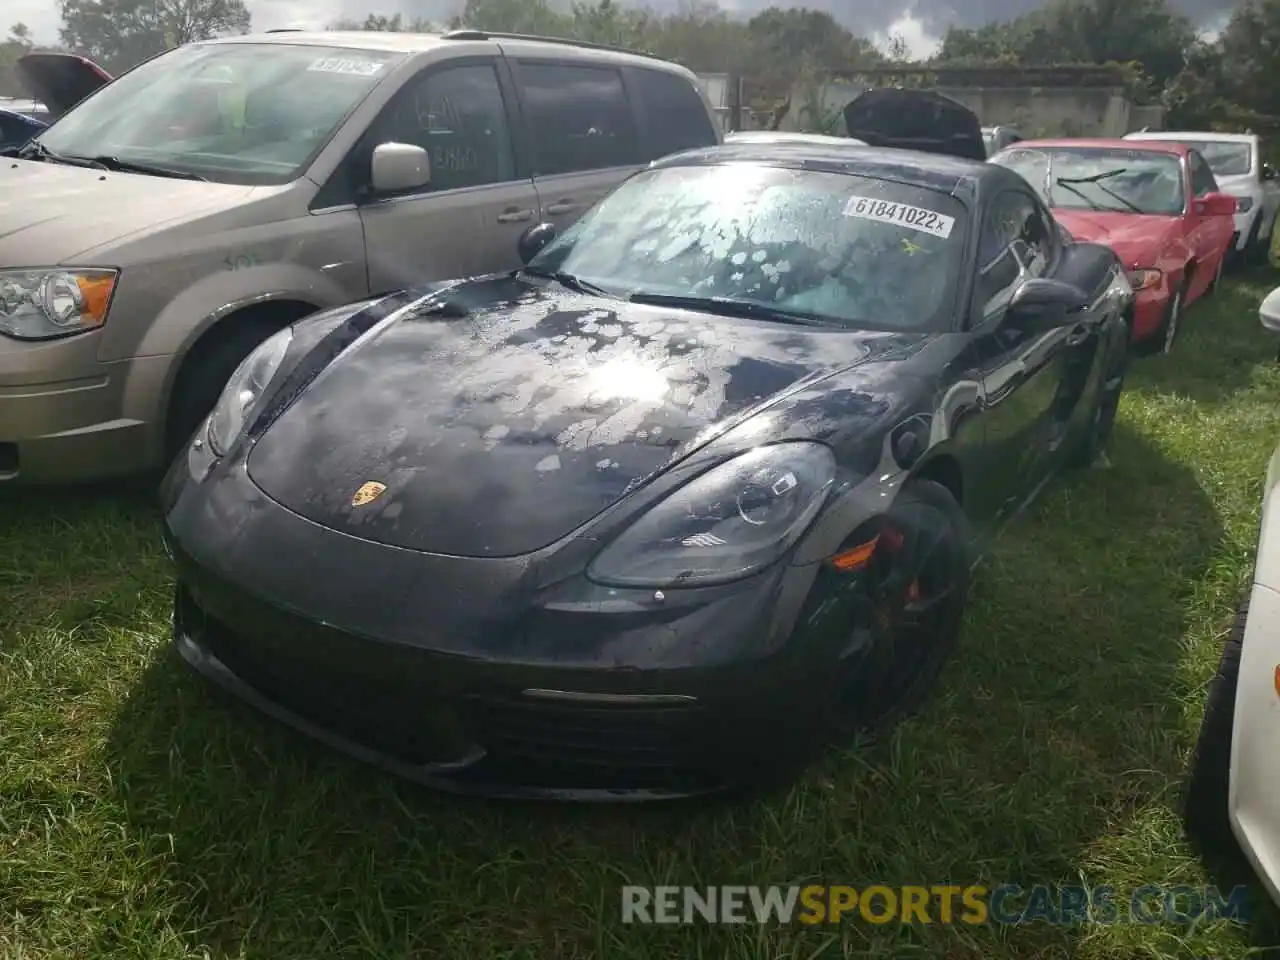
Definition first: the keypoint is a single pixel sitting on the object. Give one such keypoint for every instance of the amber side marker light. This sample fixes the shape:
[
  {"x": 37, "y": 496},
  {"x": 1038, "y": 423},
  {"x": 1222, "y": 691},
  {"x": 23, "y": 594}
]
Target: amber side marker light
[
  {"x": 1277, "y": 679},
  {"x": 849, "y": 561}
]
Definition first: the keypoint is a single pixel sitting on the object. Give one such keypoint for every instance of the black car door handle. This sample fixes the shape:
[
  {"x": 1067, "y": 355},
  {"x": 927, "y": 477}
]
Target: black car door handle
[
  {"x": 562, "y": 206},
  {"x": 515, "y": 216},
  {"x": 1079, "y": 334}
]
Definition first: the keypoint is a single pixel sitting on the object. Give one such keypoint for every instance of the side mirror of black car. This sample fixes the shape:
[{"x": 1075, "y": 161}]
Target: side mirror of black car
[
  {"x": 534, "y": 239},
  {"x": 1042, "y": 304}
]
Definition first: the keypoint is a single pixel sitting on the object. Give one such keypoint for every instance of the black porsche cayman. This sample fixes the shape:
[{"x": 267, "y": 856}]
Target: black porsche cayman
[{"x": 702, "y": 483}]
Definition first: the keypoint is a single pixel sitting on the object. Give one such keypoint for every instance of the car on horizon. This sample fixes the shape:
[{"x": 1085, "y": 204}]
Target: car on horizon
[
  {"x": 16, "y": 129},
  {"x": 175, "y": 217},
  {"x": 1237, "y": 164},
  {"x": 1231, "y": 793},
  {"x": 1155, "y": 203},
  {"x": 998, "y": 137},
  {"x": 697, "y": 487}
]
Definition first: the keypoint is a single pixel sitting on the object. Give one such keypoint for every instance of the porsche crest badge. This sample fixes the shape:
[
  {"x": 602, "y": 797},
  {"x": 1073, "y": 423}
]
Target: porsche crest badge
[{"x": 368, "y": 493}]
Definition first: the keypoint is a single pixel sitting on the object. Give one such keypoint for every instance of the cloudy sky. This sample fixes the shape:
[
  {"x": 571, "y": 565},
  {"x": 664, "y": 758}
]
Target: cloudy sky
[{"x": 919, "y": 22}]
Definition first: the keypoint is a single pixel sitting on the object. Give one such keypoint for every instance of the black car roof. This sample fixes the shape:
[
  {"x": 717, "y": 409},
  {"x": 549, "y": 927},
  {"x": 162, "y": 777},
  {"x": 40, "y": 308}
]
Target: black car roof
[{"x": 933, "y": 170}]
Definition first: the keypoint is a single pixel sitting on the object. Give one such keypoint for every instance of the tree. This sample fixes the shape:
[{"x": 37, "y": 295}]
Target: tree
[
  {"x": 119, "y": 34},
  {"x": 795, "y": 41},
  {"x": 514, "y": 16},
  {"x": 377, "y": 22},
  {"x": 1145, "y": 32},
  {"x": 17, "y": 45}
]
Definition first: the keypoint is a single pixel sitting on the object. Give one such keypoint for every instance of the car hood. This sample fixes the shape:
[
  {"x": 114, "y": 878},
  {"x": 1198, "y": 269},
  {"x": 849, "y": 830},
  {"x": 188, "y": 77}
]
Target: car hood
[
  {"x": 1134, "y": 237},
  {"x": 915, "y": 120},
  {"x": 60, "y": 80},
  {"x": 51, "y": 213},
  {"x": 517, "y": 411}
]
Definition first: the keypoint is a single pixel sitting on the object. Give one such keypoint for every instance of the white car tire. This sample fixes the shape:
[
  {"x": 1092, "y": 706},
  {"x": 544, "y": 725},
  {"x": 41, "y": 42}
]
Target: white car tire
[{"x": 1208, "y": 786}]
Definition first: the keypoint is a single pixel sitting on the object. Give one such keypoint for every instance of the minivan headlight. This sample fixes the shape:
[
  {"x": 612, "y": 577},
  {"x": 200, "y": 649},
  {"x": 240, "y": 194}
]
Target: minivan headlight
[
  {"x": 41, "y": 303},
  {"x": 245, "y": 389}
]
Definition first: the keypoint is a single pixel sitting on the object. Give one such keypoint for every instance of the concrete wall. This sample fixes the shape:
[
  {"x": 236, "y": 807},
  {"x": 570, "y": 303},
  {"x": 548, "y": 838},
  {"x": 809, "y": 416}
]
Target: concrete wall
[{"x": 1035, "y": 111}]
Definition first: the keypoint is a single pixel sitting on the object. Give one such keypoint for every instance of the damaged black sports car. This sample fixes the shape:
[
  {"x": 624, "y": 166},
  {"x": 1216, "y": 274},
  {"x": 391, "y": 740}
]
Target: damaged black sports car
[{"x": 698, "y": 487}]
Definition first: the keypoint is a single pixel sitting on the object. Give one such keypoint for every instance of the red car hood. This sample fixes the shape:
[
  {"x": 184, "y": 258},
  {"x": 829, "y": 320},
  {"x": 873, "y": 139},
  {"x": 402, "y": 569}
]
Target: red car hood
[{"x": 1133, "y": 236}]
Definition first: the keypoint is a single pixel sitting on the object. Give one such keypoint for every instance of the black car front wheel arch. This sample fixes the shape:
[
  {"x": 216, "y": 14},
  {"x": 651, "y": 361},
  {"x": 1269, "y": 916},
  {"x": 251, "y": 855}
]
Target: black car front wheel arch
[{"x": 900, "y": 612}]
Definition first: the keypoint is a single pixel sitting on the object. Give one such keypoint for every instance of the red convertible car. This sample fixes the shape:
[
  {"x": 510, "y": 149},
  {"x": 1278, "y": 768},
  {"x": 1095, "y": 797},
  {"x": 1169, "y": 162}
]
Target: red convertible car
[{"x": 1156, "y": 204}]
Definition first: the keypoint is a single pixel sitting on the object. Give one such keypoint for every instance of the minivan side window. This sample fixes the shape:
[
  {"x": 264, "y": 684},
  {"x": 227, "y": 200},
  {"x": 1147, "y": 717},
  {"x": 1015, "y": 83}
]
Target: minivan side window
[
  {"x": 580, "y": 118},
  {"x": 674, "y": 113},
  {"x": 458, "y": 116}
]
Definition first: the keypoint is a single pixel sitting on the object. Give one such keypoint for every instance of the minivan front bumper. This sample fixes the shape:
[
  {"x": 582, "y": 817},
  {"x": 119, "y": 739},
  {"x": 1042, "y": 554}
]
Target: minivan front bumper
[{"x": 66, "y": 418}]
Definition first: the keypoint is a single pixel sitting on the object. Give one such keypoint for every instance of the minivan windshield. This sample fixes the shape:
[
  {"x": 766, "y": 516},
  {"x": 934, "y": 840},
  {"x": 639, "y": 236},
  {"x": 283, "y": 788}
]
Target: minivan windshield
[
  {"x": 836, "y": 248},
  {"x": 251, "y": 113},
  {"x": 1225, "y": 158}
]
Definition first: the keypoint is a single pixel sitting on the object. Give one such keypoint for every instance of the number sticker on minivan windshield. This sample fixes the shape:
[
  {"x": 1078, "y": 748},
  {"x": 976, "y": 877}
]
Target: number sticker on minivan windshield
[
  {"x": 900, "y": 215},
  {"x": 355, "y": 68}
]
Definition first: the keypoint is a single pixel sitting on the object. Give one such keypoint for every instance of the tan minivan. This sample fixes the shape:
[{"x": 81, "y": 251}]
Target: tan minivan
[{"x": 165, "y": 225}]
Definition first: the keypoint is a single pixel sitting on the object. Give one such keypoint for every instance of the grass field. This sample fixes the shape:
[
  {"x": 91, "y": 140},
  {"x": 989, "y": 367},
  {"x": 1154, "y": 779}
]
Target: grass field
[{"x": 142, "y": 815}]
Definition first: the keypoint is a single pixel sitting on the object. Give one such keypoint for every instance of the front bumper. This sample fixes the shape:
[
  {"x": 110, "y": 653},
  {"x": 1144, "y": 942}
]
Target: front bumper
[
  {"x": 1149, "y": 309},
  {"x": 474, "y": 677},
  {"x": 1255, "y": 760},
  {"x": 1244, "y": 227},
  {"x": 65, "y": 417}
]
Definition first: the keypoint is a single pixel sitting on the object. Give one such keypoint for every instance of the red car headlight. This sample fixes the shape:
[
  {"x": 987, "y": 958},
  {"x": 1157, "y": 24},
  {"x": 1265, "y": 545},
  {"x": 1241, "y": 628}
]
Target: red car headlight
[{"x": 1144, "y": 279}]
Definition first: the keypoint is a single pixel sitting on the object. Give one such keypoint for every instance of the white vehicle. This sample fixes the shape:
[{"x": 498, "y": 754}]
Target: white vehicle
[
  {"x": 1236, "y": 162},
  {"x": 1235, "y": 776}
]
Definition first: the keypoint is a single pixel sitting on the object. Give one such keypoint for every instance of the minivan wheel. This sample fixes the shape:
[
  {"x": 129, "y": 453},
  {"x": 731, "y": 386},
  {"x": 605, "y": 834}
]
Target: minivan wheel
[
  {"x": 1208, "y": 786},
  {"x": 206, "y": 370}
]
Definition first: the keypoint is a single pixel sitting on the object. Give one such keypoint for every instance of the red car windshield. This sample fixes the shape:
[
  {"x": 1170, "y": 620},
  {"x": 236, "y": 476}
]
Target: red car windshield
[{"x": 1100, "y": 178}]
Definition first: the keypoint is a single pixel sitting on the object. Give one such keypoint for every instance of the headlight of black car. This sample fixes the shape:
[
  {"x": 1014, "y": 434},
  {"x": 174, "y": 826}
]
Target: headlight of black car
[
  {"x": 726, "y": 524},
  {"x": 244, "y": 389}
]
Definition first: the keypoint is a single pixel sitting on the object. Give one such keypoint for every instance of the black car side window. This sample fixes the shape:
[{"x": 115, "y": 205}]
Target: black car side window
[
  {"x": 1017, "y": 242},
  {"x": 458, "y": 116},
  {"x": 580, "y": 117},
  {"x": 675, "y": 115},
  {"x": 1202, "y": 179}
]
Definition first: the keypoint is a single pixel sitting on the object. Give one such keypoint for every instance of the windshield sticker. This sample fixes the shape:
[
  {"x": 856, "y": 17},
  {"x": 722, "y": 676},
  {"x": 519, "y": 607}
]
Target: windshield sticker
[
  {"x": 354, "y": 68},
  {"x": 900, "y": 215}
]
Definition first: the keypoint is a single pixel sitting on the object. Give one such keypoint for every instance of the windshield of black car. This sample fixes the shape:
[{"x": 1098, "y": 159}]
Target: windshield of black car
[
  {"x": 1225, "y": 158},
  {"x": 250, "y": 113},
  {"x": 1102, "y": 178},
  {"x": 852, "y": 250}
]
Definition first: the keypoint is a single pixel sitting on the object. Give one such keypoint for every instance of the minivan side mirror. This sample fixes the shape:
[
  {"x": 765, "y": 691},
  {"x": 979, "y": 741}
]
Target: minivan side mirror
[
  {"x": 1216, "y": 205},
  {"x": 534, "y": 239},
  {"x": 1268, "y": 172},
  {"x": 1269, "y": 312},
  {"x": 396, "y": 167},
  {"x": 1042, "y": 304}
]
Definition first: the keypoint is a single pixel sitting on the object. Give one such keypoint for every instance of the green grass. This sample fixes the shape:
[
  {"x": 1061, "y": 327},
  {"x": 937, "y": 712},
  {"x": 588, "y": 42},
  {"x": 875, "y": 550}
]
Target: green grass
[{"x": 142, "y": 815}]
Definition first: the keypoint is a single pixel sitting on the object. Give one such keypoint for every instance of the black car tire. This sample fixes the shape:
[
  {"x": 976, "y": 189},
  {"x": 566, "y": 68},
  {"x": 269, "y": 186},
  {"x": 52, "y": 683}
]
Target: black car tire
[
  {"x": 886, "y": 685},
  {"x": 1205, "y": 811},
  {"x": 1097, "y": 437},
  {"x": 205, "y": 372},
  {"x": 1257, "y": 250}
]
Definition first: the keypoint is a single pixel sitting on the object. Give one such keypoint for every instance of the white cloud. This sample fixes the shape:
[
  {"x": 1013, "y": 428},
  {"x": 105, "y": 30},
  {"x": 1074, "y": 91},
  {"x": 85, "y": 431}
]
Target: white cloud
[{"x": 919, "y": 45}]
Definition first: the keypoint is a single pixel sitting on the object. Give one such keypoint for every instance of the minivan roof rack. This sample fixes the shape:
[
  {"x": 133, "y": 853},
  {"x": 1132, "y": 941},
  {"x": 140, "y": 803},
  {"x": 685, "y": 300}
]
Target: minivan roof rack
[
  {"x": 466, "y": 34},
  {"x": 284, "y": 30}
]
